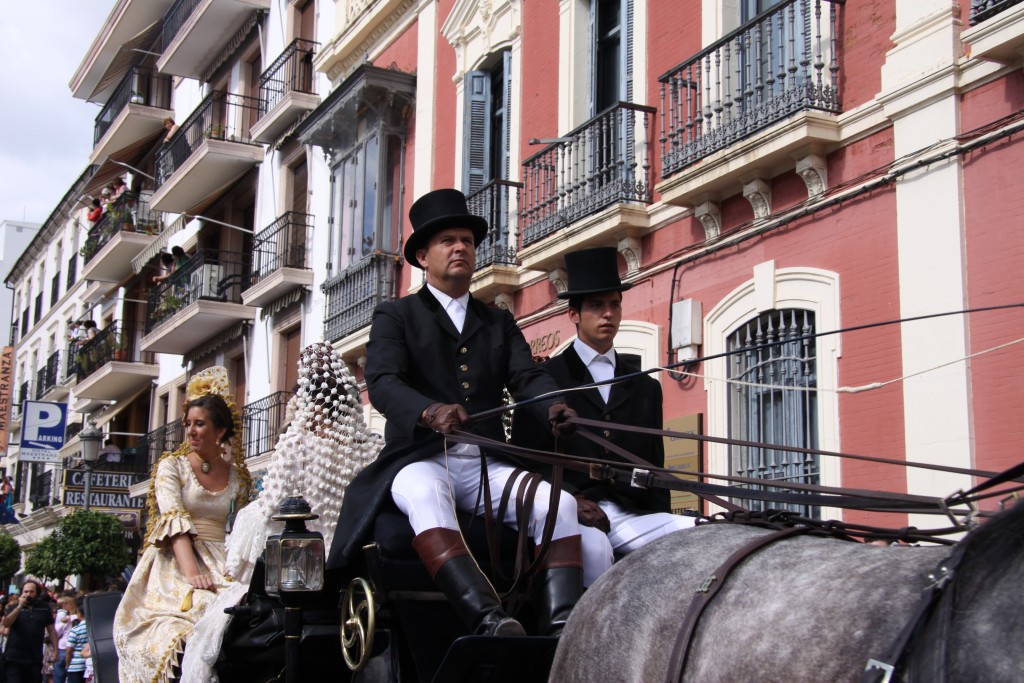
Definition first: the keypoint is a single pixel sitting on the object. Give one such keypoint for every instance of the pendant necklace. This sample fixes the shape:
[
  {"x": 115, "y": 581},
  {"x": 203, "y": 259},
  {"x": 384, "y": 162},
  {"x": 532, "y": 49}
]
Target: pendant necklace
[{"x": 205, "y": 467}]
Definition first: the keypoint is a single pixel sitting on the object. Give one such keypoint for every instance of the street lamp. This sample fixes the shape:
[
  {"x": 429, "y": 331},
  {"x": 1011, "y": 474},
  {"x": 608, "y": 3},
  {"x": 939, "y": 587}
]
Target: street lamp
[
  {"x": 294, "y": 569},
  {"x": 90, "y": 438}
]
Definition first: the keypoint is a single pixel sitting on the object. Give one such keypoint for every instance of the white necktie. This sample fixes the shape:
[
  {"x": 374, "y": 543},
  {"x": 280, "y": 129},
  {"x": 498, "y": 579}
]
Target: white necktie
[
  {"x": 457, "y": 313},
  {"x": 602, "y": 369}
]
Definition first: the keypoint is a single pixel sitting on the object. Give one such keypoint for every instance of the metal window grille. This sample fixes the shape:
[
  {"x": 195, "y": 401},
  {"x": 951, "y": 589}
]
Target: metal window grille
[
  {"x": 986, "y": 9},
  {"x": 263, "y": 422},
  {"x": 773, "y": 365}
]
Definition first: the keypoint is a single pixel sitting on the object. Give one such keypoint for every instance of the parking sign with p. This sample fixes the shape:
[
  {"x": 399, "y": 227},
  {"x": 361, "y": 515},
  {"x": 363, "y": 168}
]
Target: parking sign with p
[{"x": 42, "y": 431}]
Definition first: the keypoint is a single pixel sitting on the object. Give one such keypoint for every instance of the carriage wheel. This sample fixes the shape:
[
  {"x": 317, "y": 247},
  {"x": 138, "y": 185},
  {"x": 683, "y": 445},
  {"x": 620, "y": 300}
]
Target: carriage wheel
[{"x": 358, "y": 622}]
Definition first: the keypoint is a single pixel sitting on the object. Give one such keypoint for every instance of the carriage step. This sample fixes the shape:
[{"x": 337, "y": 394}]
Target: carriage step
[{"x": 496, "y": 659}]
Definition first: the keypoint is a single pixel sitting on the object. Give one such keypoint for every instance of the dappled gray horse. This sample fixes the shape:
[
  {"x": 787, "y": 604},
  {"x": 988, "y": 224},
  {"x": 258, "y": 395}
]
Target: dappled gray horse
[{"x": 802, "y": 609}]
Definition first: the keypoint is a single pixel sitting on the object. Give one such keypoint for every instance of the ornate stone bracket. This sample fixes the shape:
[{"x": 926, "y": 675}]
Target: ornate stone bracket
[
  {"x": 504, "y": 300},
  {"x": 759, "y": 193},
  {"x": 813, "y": 170},
  {"x": 710, "y": 216},
  {"x": 629, "y": 247},
  {"x": 560, "y": 279}
]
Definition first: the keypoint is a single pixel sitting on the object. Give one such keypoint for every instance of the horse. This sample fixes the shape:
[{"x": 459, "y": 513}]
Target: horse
[{"x": 803, "y": 609}]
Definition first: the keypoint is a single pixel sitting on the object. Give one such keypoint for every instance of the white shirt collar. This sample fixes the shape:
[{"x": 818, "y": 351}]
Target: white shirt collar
[
  {"x": 587, "y": 354},
  {"x": 444, "y": 299}
]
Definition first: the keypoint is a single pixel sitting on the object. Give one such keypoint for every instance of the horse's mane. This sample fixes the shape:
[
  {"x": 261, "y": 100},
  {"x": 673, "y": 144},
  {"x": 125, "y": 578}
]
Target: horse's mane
[{"x": 991, "y": 548}]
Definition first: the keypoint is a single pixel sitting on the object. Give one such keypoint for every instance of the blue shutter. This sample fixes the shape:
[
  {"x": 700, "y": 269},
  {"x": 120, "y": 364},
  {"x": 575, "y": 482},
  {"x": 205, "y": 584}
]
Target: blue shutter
[{"x": 476, "y": 131}]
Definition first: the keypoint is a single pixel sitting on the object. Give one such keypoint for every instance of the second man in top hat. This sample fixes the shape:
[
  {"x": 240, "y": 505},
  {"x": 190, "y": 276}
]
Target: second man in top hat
[{"x": 617, "y": 518}]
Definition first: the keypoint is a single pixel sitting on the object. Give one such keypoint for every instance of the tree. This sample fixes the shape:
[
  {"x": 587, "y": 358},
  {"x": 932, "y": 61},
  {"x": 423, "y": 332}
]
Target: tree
[
  {"x": 10, "y": 558},
  {"x": 85, "y": 542},
  {"x": 91, "y": 543},
  {"x": 41, "y": 560}
]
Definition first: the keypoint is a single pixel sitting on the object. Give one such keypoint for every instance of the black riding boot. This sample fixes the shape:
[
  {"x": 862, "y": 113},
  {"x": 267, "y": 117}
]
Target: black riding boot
[
  {"x": 457, "y": 575},
  {"x": 559, "y": 585}
]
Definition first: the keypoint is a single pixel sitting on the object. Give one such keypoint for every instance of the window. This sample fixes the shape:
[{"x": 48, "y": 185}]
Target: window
[
  {"x": 611, "y": 28},
  {"x": 486, "y": 148},
  {"x": 366, "y": 185},
  {"x": 772, "y": 399}
]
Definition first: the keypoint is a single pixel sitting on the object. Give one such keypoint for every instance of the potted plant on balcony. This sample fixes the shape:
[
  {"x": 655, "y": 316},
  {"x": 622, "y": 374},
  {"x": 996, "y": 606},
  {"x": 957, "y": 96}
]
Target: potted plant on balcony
[
  {"x": 137, "y": 98},
  {"x": 88, "y": 249},
  {"x": 168, "y": 305}
]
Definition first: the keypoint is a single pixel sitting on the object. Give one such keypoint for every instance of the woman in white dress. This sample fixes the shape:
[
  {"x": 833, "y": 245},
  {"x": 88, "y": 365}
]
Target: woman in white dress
[{"x": 193, "y": 492}]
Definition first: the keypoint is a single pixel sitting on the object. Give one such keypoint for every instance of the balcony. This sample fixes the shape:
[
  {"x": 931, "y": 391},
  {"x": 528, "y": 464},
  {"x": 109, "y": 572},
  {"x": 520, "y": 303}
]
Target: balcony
[
  {"x": 997, "y": 30},
  {"x": 157, "y": 442},
  {"x": 24, "y": 393},
  {"x": 201, "y": 299},
  {"x": 195, "y": 32},
  {"x": 41, "y": 492},
  {"x": 570, "y": 186},
  {"x": 119, "y": 236},
  {"x": 747, "y": 104},
  {"x": 280, "y": 259},
  {"x": 262, "y": 422},
  {"x": 48, "y": 380},
  {"x": 111, "y": 366},
  {"x": 352, "y": 296},
  {"x": 287, "y": 89},
  {"x": 496, "y": 261},
  {"x": 210, "y": 151},
  {"x": 136, "y": 110}
]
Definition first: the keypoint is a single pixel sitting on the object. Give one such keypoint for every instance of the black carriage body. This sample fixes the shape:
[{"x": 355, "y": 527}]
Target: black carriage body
[{"x": 417, "y": 636}]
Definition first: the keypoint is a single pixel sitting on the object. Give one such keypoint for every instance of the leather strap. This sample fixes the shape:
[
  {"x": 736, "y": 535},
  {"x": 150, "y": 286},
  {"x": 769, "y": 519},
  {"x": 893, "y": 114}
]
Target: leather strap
[
  {"x": 708, "y": 589},
  {"x": 436, "y": 546}
]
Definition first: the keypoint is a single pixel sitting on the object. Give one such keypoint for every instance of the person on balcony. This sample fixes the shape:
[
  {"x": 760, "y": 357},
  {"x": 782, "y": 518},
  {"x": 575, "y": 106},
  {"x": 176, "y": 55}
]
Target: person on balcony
[
  {"x": 95, "y": 211},
  {"x": 171, "y": 263},
  {"x": 433, "y": 357},
  {"x": 7, "y": 515}
]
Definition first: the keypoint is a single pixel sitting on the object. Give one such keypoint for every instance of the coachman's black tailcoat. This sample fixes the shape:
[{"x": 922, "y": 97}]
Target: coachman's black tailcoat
[
  {"x": 635, "y": 402},
  {"x": 416, "y": 357}
]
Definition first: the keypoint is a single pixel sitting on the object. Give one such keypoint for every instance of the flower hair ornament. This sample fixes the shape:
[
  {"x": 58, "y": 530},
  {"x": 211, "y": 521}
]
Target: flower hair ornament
[{"x": 210, "y": 381}]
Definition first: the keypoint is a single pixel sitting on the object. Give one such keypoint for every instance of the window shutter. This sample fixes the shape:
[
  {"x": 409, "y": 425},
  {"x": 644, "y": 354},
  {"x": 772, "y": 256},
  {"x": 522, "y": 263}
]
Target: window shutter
[
  {"x": 506, "y": 133},
  {"x": 476, "y": 131}
]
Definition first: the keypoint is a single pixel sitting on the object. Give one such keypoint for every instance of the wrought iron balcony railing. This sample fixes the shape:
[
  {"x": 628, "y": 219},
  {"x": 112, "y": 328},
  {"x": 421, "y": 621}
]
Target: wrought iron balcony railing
[
  {"x": 208, "y": 274},
  {"x": 117, "y": 341},
  {"x": 139, "y": 86},
  {"x": 262, "y": 422},
  {"x": 175, "y": 18},
  {"x": 496, "y": 202},
  {"x": 157, "y": 442},
  {"x": 292, "y": 71},
  {"x": 282, "y": 244},
  {"x": 605, "y": 161},
  {"x": 71, "y": 362},
  {"x": 130, "y": 212},
  {"x": 40, "y": 492},
  {"x": 986, "y": 9},
  {"x": 782, "y": 62},
  {"x": 352, "y": 295},
  {"x": 24, "y": 394},
  {"x": 48, "y": 376},
  {"x": 220, "y": 116}
]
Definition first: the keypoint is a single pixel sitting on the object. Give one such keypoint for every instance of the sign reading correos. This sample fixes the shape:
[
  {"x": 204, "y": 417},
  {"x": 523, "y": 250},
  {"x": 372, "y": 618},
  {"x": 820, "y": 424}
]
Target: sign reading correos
[{"x": 42, "y": 431}]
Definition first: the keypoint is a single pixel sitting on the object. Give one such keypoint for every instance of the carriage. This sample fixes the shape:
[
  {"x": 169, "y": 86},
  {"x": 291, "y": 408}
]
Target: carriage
[{"x": 385, "y": 620}]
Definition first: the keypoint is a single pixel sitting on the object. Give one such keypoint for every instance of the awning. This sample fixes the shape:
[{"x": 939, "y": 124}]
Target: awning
[
  {"x": 114, "y": 165},
  {"x": 223, "y": 339},
  {"x": 159, "y": 243},
  {"x": 127, "y": 56},
  {"x": 284, "y": 302}
]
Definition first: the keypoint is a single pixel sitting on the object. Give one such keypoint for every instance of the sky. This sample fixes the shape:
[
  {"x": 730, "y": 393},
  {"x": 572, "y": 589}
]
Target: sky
[{"x": 45, "y": 134}]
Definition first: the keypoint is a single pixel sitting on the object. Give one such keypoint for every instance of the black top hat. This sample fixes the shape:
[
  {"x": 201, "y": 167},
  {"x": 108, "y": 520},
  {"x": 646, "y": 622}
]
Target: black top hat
[
  {"x": 591, "y": 271},
  {"x": 436, "y": 210}
]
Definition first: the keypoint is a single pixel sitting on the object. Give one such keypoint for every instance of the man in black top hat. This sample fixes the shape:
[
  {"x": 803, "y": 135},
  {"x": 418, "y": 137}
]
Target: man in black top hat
[
  {"x": 433, "y": 358},
  {"x": 617, "y": 518},
  {"x": 27, "y": 622}
]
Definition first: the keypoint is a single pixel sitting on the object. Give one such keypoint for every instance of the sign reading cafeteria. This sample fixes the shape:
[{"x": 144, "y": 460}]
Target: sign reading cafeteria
[{"x": 42, "y": 431}]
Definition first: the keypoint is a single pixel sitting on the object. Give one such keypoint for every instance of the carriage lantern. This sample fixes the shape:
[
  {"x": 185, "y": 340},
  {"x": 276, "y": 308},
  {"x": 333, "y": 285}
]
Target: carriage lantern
[{"x": 295, "y": 557}]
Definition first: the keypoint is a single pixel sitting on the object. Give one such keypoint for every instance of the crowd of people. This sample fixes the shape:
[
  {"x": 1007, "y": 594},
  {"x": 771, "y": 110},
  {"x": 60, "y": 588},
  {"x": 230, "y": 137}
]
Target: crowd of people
[
  {"x": 109, "y": 196},
  {"x": 45, "y": 638}
]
